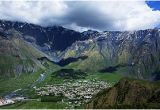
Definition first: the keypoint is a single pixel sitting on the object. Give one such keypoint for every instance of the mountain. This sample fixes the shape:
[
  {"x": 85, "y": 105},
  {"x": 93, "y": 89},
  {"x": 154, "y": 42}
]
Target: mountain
[
  {"x": 17, "y": 56},
  {"x": 47, "y": 39},
  {"x": 136, "y": 52},
  {"x": 54, "y": 36},
  {"x": 128, "y": 93}
]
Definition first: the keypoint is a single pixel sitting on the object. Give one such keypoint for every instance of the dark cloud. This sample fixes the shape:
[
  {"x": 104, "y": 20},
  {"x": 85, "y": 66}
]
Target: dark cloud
[{"x": 88, "y": 17}]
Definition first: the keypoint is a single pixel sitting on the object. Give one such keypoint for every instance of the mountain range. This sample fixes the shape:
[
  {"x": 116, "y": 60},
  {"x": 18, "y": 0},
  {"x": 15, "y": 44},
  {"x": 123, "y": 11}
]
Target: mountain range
[{"x": 138, "y": 52}]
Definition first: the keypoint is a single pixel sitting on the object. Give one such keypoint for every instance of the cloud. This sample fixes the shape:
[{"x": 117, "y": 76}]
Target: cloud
[
  {"x": 37, "y": 12},
  {"x": 83, "y": 15}
]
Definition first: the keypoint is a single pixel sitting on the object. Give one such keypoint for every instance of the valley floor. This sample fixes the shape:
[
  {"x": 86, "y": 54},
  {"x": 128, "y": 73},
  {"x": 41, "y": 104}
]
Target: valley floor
[{"x": 53, "y": 92}]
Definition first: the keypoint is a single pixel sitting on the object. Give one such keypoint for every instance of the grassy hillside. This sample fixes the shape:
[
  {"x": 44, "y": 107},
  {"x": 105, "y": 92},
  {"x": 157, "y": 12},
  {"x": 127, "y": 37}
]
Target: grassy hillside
[
  {"x": 21, "y": 82},
  {"x": 92, "y": 63},
  {"x": 128, "y": 93},
  {"x": 17, "y": 57}
]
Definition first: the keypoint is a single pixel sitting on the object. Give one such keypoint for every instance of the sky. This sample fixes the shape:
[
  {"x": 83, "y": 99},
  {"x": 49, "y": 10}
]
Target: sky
[
  {"x": 83, "y": 15},
  {"x": 155, "y": 5}
]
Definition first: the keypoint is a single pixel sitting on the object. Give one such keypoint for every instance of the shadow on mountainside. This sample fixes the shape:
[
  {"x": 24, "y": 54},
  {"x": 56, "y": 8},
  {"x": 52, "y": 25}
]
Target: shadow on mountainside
[{"x": 65, "y": 62}]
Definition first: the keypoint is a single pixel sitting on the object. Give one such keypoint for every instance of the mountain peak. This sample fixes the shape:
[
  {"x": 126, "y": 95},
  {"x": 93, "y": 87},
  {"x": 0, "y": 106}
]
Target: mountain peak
[{"x": 57, "y": 35}]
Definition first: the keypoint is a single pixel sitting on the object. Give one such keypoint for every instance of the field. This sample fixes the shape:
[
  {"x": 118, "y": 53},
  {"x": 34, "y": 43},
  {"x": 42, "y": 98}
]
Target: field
[{"x": 22, "y": 81}]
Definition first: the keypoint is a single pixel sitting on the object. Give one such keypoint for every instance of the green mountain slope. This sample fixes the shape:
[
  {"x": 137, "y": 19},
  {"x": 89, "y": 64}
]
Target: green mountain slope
[
  {"x": 17, "y": 56},
  {"x": 96, "y": 59},
  {"x": 92, "y": 63},
  {"x": 137, "y": 52},
  {"x": 128, "y": 93}
]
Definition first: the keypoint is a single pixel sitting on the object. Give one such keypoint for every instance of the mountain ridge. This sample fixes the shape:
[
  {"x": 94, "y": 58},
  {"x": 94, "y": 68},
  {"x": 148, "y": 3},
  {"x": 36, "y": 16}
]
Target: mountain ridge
[{"x": 138, "y": 49}]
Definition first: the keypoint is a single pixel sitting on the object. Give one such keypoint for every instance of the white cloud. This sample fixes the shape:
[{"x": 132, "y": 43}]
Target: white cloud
[
  {"x": 82, "y": 15},
  {"x": 33, "y": 12}
]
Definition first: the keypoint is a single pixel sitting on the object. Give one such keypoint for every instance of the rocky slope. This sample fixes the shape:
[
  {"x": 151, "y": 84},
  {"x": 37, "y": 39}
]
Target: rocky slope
[
  {"x": 128, "y": 93},
  {"x": 46, "y": 39},
  {"x": 17, "y": 56},
  {"x": 137, "y": 51}
]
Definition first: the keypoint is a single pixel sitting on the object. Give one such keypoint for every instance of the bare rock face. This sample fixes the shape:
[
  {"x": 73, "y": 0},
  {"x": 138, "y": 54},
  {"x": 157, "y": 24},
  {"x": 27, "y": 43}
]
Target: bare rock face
[{"x": 128, "y": 93}]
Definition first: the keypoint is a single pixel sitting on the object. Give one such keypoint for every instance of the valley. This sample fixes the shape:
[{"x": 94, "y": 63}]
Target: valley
[
  {"x": 72, "y": 93},
  {"x": 54, "y": 67}
]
